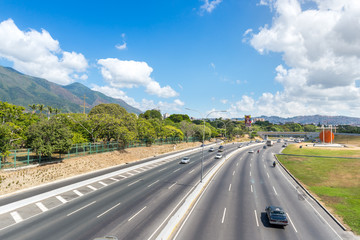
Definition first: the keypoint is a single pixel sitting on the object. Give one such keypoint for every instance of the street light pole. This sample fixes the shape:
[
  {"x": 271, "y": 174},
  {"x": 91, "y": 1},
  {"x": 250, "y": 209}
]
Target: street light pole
[{"x": 203, "y": 141}]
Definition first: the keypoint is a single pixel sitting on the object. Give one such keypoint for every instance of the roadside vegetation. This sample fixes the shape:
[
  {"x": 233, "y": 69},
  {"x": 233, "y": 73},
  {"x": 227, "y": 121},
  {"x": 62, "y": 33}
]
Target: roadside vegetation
[{"x": 335, "y": 181}]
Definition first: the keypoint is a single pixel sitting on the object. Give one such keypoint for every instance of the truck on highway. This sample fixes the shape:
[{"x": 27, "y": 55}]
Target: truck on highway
[{"x": 269, "y": 143}]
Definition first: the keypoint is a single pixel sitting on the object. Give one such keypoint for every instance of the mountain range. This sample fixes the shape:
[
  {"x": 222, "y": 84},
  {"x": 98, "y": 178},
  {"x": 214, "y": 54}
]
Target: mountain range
[
  {"x": 24, "y": 90},
  {"x": 314, "y": 119}
]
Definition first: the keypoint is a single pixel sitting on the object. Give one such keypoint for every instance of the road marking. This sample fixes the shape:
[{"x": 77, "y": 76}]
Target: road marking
[
  {"x": 233, "y": 173},
  {"x": 78, "y": 193},
  {"x": 162, "y": 169},
  {"x": 257, "y": 221},
  {"x": 291, "y": 222},
  {"x": 176, "y": 170},
  {"x": 223, "y": 217},
  {"x": 102, "y": 183},
  {"x": 275, "y": 190},
  {"x": 61, "y": 199},
  {"x": 250, "y": 164},
  {"x": 172, "y": 185},
  {"x": 237, "y": 164},
  {"x": 81, "y": 208},
  {"x": 229, "y": 187},
  {"x": 137, "y": 171},
  {"x": 131, "y": 174},
  {"x": 251, "y": 188},
  {"x": 191, "y": 171},
  {"x": 136, "y": 214},
  {"x": 250, "y": 173},
  {"x": 153, "y": 183},
  {"x": 91, "y": 187},
  {"x": 134, "y": 182},
  {"x": 16, "y": 216},
  {"x": 108, "y": 210},
  {"x": 41, "y": 206},
  {"x": 122, "y": 176},
  {"x": 268, "y": 175},
  {"x": 264, "y": 166},
  {"x": 116, "y": 180}
]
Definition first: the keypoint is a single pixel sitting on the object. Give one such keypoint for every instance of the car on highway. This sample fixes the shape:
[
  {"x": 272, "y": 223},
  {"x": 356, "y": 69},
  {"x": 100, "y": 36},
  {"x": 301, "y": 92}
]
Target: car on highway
[
  {"x": 218, "y": 156},
  {"x": 276, "y": 215},
  {"x": 264, "y": 146},
  {"x": 185, "y": 160},
  {"x": 251, "y": 151},
  {"x": 240, "y": 146},
  {"x": 211, "y": 149},
  {"x": 221, "y": 148}
]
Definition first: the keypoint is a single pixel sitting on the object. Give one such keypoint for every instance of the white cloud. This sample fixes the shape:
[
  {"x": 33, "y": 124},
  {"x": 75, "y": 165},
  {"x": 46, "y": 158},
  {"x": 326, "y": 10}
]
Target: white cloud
[
  {"x": 321, "y": 51},
  {"x": 129, "y": 74},
  {"x": 123, "y": 45},
  {"x": 224, "y": 101},
  {"x": 209, "y": 5},
  {"x": 38, "y": 54}
]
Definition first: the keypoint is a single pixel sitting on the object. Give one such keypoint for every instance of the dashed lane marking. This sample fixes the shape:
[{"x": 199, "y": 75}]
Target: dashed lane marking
[
  {"x": 91, "y": 187},
  {"x": 41, "y": 206},
  {"x": 78, "y": 193},
  {"x": 116, "y": 180},
  {"x": 136, "y": 214},
  {"x": 16, "y": 216},
  {"x": 61, "y": 199},
  {"x": 102, "y": 183}
]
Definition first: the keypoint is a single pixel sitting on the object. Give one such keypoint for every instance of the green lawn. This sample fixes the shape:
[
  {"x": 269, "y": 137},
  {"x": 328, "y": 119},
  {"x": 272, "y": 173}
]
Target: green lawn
[{"x": 336, "y": 181}]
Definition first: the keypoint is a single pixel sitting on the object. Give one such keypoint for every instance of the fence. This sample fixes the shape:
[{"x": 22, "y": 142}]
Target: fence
[{"x": 24, "y": 157}]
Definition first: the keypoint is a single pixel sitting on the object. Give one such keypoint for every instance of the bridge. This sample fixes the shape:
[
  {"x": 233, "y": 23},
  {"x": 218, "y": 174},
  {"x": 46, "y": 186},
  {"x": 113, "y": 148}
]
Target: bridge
[{"x": 306, "y": 135}]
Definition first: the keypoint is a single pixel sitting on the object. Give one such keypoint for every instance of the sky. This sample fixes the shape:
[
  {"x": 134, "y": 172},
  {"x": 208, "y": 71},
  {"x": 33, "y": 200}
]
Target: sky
[{"x": 219, "y": 58}]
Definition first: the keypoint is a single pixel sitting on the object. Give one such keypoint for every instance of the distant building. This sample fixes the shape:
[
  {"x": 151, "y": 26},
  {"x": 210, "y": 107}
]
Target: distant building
[
  {"x": 166, "y": 115},
  {"x": 258, "y": 120}
]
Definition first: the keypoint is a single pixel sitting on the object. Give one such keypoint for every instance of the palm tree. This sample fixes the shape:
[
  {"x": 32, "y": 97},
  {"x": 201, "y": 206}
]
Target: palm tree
[
  {"x": 49, "y": 111},
  {"x": 33, "y": 108},
  {"x": 40, "y": 107},
  {"x": 56, "y": 110}
]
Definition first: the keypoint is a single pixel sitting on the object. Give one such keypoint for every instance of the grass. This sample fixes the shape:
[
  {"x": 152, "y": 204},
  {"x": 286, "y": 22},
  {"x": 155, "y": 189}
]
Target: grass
[{"x": 336, "y": 181}]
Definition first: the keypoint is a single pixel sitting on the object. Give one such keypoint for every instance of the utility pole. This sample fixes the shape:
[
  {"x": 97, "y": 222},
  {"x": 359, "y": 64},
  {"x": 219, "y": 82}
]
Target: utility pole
[{"x": 84, "y": 103}]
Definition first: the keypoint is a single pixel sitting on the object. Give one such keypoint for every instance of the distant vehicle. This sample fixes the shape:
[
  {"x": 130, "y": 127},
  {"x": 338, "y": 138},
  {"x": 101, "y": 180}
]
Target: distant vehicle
[
  {"x": 251, "y": 151},
  {"x": 221, "y": 148},
  {"x": 276, "y": 215},
  {"x": 264, "y": 146},
  {"x": 240, "y": 146},
  {"x": 211, "y": 149},
  {"x": 218, "y": 156},
  {"x": 269, "y": 143},
  {"x": 284, "y": 145},
  {"x": 202, "y": 145},
  {"x": 185, "y": 160}
]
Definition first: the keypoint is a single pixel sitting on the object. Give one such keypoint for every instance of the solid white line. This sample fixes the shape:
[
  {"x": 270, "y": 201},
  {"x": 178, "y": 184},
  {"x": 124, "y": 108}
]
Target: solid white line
[
  {"x": 102, "y": 183},
  {"x": 61, "y": 199},
  {"x": 41, "y": 206},
  {"x": 153, "y": 183},
  {"x": 191, "y": 171},
  {"x": 223, "y": 218},
  {"x": 16, "y": 216},
  {"x": 229, "y": 187},
  {"x": 233, "y": 173},
  {"x": 275, "y": 190},
  {"x": 78, "y": 193},
  {"x": 251, "y": 188},
  {"x": 291, "y": 222},
  {"x": 134, "y": 182},
  {"x": 108, "y": 210},
  {"x": 81, "y": 208},
  {"x": 116, "y": 180},
  {"x": 136, "y": 214},
  {"x": 176, "y": 170},
  {"x": 257, "y": 221},
  {"x": 268, "y": 175},
  {"x": 91, "y": 187},
  {"x": 172, "y": 185}
]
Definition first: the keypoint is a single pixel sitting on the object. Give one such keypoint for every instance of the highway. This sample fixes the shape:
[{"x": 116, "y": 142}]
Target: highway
[
  {"x": 233, "y": 205},
  {"x": 131, "y": 205}
]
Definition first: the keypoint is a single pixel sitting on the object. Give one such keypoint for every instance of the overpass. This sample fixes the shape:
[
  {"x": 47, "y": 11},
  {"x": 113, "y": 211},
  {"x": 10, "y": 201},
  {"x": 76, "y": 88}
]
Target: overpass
[{"x": 306, "y": 135}]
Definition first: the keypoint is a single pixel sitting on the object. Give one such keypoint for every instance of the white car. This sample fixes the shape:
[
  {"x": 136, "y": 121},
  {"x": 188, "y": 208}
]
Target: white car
[
  {"x": 251, "y": 151},
  {"x": 218, "y": 156},
  {"x": 185, "y": 160}
]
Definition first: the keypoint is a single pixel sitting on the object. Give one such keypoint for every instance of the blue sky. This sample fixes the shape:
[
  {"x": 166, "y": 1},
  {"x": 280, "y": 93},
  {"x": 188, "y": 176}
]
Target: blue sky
[{"x": 257, "y": 57}]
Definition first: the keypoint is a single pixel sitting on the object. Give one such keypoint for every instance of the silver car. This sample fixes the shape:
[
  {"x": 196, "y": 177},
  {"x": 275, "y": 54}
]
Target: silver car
[{"x": 185, "y": 160}]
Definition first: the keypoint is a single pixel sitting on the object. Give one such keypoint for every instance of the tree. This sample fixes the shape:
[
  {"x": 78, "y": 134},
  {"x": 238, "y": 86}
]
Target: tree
[
  {"x": 151, "y": 114},
  {"x": 145, "y": 131},
  {"x": 187, "y": 128},
  {"x": 177, "y": 118},
  {"x": 40, "y": 107},
  {"x": 33, "y": 108},
  {"x": 110, "y": 108},
  {"x": 49, "y": 136},
  {"x": 173, "y": 132}
]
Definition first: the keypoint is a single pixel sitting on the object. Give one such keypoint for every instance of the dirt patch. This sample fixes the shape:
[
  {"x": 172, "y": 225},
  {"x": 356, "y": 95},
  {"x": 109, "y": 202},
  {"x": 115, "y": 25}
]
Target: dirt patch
[{"x": 18, "y": 179}]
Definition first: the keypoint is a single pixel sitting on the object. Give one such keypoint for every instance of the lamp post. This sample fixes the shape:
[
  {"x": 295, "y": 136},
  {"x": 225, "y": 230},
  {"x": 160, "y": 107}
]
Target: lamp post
[{"x": 203, "y": 141}]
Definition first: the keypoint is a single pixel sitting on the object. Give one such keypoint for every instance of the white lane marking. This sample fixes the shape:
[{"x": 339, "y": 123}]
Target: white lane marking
[
  {"x": 108, "y": 210},
  {"x": 137, "y": 171},
  {"x": 78, "y": 193},
  {"x": 131, "y": 174},
  {"x": 136, "y": 214},
  {"x": 223, "y": 217},
  {"x": 176, "y": 170},
  {"x": 233, "y": 173},
  {"x": 191, "y": 171},
  {"x": 134, "y": 182},
  {"x": 229, "y": 187},
  {"x": 291, "y": 222},
  {"x": 172, "y": 185},
  {"x": 116, "y": 180},
  {"x": 268, "y": 175},
  {"x": 102, "y": 183},
  {"x": 61, "y": 199},
  {"x": 257, "y": 221},
  {"x": 16, "y": 216},
  {"x": 275, "y": 190},
  {"x": 237, "y": 164},
  {"x": 122, "y": 176},
  {"x": 251, "y": 188},
  {"x": 250, "y": 173},
  {"x": 41, "y": 206},
  {"x": 264, "y": 166},
  {"x": 81, "y": 208},
  {"x": 91, "y": 187},
  {"x": 162, "y": 169},
  {"x": 153, "y": 183},
  {"x": 250, "y": 164}
]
